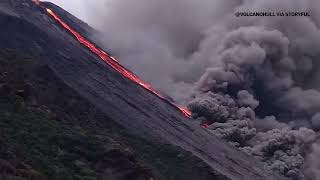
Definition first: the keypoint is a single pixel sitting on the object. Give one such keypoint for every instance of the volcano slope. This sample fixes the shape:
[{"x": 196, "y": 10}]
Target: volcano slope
[{"x": 76, "y": 86}]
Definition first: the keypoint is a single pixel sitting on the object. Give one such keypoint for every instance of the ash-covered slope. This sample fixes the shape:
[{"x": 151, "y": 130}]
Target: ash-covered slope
[{"x": 29, "y": 29}]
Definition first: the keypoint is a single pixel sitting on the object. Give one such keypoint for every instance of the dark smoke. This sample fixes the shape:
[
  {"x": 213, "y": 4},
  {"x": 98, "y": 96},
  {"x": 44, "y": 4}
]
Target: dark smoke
[{"x": 254, "y": 80}]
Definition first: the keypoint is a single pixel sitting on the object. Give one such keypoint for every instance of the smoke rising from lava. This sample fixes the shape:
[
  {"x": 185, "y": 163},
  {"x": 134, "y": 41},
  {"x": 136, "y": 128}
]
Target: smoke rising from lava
[{"x": 255, "y": 80}]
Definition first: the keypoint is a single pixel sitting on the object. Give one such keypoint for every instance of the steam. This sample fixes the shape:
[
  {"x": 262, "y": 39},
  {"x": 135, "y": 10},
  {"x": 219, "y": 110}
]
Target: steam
[{"x": 254, "y": 80}]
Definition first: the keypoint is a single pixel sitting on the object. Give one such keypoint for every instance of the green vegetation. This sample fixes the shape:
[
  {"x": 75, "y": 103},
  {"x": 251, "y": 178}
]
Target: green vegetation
[{"x": 36, "y": 144}]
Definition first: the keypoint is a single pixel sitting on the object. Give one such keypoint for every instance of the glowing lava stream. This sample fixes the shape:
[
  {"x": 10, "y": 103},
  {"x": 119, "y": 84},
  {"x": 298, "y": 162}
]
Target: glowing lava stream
[{"x": 115, "y": 64}]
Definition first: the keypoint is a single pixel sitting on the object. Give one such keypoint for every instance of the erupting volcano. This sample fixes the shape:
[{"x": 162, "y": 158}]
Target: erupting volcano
[
  {"x": 250, "y": 88},
  {"x": 113, "y": 62}
]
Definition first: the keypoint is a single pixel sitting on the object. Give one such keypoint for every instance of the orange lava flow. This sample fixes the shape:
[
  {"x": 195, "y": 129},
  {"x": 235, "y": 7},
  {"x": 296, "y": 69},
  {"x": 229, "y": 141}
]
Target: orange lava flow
[{"x": 115, "y": 64}]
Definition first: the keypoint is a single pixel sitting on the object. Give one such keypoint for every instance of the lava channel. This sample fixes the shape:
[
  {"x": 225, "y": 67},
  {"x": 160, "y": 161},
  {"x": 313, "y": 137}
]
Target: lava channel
[{"x": 114, "y": 63}]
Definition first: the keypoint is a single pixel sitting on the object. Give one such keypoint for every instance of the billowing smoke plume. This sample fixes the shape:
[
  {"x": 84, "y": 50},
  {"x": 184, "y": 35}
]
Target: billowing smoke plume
[
  {"x": 254, "y": 81},
  {"x": 159, "y": 40}
]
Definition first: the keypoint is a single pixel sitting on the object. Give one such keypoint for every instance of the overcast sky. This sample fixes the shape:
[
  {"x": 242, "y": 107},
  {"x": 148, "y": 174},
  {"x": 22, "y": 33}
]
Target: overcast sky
[{"x": 75, "y": 7}]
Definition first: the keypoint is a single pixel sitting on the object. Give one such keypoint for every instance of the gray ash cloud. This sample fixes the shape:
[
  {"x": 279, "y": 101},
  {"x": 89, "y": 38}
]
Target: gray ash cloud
[{"x": 254, "y": 80}]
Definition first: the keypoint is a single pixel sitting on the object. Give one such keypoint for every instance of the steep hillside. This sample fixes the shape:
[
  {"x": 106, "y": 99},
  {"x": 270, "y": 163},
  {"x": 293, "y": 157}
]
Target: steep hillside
[
  {"x": 89, "y": 101},
  {"x": 36, "y": 143}
]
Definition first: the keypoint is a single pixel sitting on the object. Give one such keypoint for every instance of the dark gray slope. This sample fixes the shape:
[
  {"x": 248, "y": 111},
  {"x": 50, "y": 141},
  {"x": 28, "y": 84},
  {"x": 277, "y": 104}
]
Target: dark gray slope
[{"x": 27, "y": 28}]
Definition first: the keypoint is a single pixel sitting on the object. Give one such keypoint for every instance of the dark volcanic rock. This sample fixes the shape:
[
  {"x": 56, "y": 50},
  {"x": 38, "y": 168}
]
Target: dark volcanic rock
[{"x": 27, "y": 28}]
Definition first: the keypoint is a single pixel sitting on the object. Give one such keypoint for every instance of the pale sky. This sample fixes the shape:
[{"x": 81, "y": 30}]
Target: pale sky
[{"x": 75, "y": 7}]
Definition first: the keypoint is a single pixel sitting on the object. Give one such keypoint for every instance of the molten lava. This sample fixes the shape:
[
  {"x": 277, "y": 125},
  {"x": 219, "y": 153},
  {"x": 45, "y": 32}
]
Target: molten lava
[
  {"x": 37, "y": 2},
  {"x": 114, "y": 63},
  {"x": 205, "y": 125}
]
